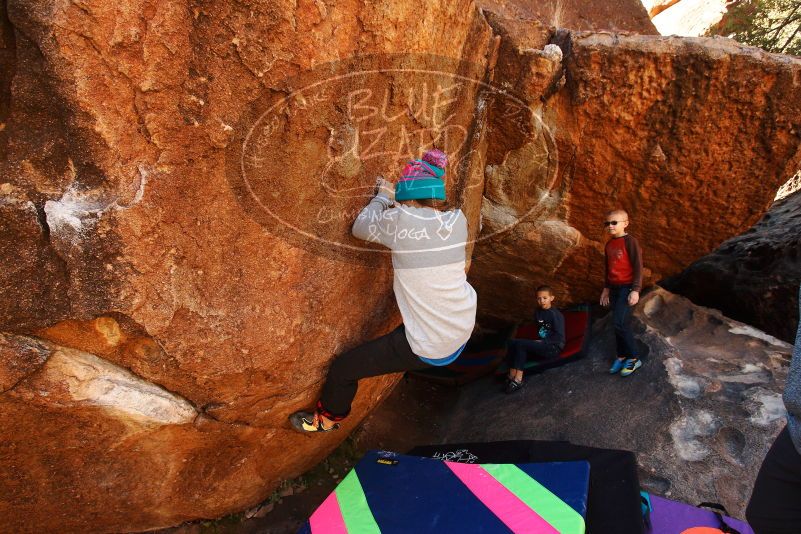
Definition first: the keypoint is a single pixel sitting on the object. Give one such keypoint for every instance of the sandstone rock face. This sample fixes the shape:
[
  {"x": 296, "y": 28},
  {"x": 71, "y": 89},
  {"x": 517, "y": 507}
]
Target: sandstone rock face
[
  {"x": 670, "y": 129},
  {"x": 617, "y": 15},
  {"x": 183, "y": 307},
  {"x": 700, "y": 414},
  {"x": 92, "y": 441},
  {"x": 179, "y": 180},
  {"x": 7, "y": 62},
  {"x": 753, "y": 277}
]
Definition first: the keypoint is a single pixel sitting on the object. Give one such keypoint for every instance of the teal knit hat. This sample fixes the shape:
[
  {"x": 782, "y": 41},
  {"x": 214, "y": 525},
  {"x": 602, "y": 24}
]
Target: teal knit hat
[{"x": 423, "y": 178}]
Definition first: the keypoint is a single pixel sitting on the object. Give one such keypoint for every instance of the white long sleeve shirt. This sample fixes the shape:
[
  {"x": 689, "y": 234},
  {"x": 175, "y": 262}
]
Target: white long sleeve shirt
[{"x": 428, "y": 246}]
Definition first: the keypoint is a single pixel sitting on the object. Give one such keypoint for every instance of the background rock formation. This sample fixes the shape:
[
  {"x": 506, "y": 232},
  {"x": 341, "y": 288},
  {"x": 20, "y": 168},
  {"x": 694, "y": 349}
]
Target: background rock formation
[
  {"x": 164, "y": 309},
  {"x": 670, "y": 129},
  {"x": 753, "y": 277},
  {"x": 617, "y": 15}
]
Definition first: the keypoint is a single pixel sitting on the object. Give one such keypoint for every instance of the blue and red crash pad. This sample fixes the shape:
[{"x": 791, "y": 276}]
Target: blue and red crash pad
[
  {"x": 613, "y": 500},
  {"x": 482, "y": 358},
  {"x": 577, "y": 337},
  {"x": 392, "y": 493}
]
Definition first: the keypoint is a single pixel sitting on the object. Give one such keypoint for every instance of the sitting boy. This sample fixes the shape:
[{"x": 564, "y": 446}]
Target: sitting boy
[{"x": 551, "y": 330}]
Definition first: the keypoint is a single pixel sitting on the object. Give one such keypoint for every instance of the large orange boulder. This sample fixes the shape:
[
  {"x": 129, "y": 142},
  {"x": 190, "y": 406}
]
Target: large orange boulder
[{"x": 177, "y": 267}]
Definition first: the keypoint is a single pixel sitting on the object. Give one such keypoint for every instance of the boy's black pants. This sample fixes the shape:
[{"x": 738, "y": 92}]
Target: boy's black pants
[
  {"x": 775, "y": 506},
  {"x": 520, "y": 349},
  {"x": 390, "y": 353},
  {"x": 621, "y": 311}
]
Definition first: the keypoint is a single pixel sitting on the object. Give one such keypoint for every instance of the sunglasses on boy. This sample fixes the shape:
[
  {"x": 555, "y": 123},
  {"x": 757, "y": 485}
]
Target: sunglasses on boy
[{"x": 612, "y": 223}]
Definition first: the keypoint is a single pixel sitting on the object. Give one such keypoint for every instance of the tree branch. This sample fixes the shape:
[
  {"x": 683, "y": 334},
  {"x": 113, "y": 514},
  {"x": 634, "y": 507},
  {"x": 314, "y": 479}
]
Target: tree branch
[
  {"x": 783, "y": 48},
  {"x": 783, "y": 23}
]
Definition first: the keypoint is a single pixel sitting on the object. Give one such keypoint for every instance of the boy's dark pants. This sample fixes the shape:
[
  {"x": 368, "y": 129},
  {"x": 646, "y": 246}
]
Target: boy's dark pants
[
  {"x": 775, "y": 505},
  {"x": 390, "y": 353},
  {"x": 521, "y": 349},
  {"x": 619, "y": 299}
]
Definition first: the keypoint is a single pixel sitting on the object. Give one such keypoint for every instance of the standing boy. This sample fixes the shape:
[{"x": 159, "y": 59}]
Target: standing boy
[
  {"x": 551, "y": 329},
  {"x": 622, "y": 285}
]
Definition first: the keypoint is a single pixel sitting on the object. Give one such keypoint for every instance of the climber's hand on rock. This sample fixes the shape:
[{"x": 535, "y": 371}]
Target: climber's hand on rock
[
  {"x": 605, "y": 297},
  {"x": 634, "y": 298},
  {"x": 385, "y": 188}
]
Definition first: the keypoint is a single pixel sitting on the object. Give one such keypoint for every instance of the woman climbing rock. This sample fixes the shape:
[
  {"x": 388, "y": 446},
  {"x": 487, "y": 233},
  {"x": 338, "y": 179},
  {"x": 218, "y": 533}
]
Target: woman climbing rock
[{"x": 437, "y": 304}]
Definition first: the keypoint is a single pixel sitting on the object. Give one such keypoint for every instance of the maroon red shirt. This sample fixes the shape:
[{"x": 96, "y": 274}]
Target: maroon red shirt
[{"x": 623, "y": 262}]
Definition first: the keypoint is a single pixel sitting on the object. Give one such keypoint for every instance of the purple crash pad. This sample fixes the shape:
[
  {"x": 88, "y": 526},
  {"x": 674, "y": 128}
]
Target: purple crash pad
[{"x": 672, "y": 517}]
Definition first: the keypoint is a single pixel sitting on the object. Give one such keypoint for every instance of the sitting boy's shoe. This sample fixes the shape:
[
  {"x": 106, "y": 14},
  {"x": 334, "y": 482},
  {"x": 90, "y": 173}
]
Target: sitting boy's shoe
[
  {"x": 513, "y": 386},
  {"x": 617, "y": 365},
  {"x": 506, "y": 383},
  {"x": 307, "y": 422},
  {"x": 632, "y": 364}
]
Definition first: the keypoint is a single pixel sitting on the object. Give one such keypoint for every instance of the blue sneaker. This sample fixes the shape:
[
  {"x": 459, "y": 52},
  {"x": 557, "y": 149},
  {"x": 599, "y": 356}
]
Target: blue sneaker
[
  {"x": 617, "y": 365},
  {"x": 632, "y": 364}
]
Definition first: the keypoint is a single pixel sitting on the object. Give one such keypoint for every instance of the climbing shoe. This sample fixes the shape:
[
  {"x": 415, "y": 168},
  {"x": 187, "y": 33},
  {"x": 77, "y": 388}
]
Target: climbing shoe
[
  {"x": 513, "y": 386},
  {"x": 632, "y": 364},
  {"x": 617, "y": 365},
  {"x": 307, "y": 422}
]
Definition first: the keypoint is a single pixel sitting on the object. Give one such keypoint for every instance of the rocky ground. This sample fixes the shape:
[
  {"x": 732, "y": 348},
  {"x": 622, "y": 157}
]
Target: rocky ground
[{"x": 700, "y": 414}]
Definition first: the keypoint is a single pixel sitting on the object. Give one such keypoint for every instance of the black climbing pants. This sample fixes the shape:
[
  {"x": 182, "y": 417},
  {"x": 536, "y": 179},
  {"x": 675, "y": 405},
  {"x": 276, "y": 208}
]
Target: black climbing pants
[
  {"x": 390, "y": 353},
  {"x": 775, "y": 506}
]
